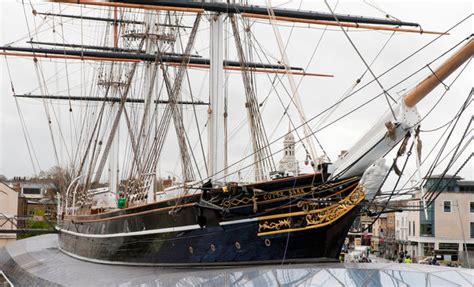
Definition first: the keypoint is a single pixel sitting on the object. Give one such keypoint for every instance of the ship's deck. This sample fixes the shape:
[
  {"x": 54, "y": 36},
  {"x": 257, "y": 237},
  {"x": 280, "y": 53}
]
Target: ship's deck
[{"x": 38, "y": 262}]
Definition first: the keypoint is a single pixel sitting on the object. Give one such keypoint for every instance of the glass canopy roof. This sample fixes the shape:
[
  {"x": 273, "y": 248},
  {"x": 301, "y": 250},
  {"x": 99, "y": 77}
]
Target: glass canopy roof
[{"x": 37, "y": 261}]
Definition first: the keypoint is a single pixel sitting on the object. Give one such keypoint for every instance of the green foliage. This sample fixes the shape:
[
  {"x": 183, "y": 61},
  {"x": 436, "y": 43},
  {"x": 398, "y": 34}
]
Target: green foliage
[{"x": 33, "y": 224}]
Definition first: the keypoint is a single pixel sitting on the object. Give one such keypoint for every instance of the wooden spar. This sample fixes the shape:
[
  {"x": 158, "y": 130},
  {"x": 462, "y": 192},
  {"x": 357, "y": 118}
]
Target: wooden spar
[
  {"x": 83, "y": 17},
  {"x": 136, "y": 6},
  {"x": 270, "y": 71},
  {"x": 279, "y": 72},
  {"x": 110, "y": 20},
  {"x": 102, "y": 48},
  {"x": 138, "y": 57},
  {"x": 115, "y": 28},
  {"x": 198, "y": 66},
  {"x": 233, "y": 8},
  {"x": 440, "y": 74},
  {"x": 86, "y": 58},
  {"x": 348, "y": 25},
  {"x": 103, "y": 99}
]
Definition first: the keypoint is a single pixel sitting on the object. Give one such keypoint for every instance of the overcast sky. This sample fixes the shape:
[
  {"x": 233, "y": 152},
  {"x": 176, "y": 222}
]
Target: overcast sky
[{"x": 333, "y": 56}]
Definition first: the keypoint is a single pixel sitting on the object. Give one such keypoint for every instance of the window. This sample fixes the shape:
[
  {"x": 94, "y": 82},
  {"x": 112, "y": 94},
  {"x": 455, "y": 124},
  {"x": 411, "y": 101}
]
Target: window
[
  {"x": 449, "y": 246},
  {"x": 413, "y": 228},
  {"x": 428, "y": 249},
  {"x": 469, "y": 247},
  {"x": 447, "y": 206},
  {"x": 427, "y": 224},
  {"x": 471, "y": 206},
  {"x": 426, "y": 229},
  {"x": 472, "y": 229},
  {"x": 409, "y": 228},
  {"x": 35, "y": 191}
]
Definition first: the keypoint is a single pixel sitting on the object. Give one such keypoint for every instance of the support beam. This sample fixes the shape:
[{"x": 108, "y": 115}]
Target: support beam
[
  {"x": 220, "y": 7},
  {"x": 89, "y": 18},
  {"x": 127, "y": 5},
  {"x": 128, "y": 57},
  {"x": 270, "y": 71},
  {"x": 102, "y": 99},
  {"x": 348, "y": 25},
  {"x": 197, "y": 66},
  {"x": 289, "y": 15},
  {"x": 102, "y": 48},
  {"x": 119, "y": 21},
  {"x": 82, "y": 58}
]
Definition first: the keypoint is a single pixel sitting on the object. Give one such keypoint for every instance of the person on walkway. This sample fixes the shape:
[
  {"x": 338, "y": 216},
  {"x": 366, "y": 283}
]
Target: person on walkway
[
  {"x": 408, "y": 259},
  {"x": 401, "y": 257},
  {"x": 122, "y": 201}
]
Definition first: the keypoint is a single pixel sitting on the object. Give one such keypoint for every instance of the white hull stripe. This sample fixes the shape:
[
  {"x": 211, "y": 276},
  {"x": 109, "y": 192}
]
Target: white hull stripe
[
  {"x": 237, "y": 221},
  {"x": 152, "y": 231},
  {"x": 135, "y": 233}
]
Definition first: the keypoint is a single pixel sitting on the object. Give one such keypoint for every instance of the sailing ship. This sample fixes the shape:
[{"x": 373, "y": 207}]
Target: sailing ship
[{"x": 283, "y": 215}]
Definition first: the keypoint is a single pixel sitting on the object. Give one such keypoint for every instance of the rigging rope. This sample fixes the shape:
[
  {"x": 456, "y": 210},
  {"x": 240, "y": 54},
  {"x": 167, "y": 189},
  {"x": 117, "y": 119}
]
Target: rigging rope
[
  {"x": 295, "y": 95},
  {"x": 353, "y": 110},
  {"x": 432, "y": 194},
  {"x": 194, "y": 111},
  {"x": 385, "y": 92},
  {"x": 262, "y": 152},
  {"x": 29, "y": 145}
]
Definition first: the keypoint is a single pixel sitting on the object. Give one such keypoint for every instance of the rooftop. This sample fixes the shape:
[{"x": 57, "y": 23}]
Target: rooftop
[{"x": 466, "y": 183}]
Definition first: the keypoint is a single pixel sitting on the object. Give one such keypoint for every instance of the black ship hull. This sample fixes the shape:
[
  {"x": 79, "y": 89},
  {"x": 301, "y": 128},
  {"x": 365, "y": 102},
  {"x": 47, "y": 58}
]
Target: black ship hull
[{"x": 271, "y": 228}]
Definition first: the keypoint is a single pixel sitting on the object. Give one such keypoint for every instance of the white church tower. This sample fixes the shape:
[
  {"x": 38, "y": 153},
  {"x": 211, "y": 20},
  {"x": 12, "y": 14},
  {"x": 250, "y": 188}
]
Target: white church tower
[{"x": 288, "y": 163}]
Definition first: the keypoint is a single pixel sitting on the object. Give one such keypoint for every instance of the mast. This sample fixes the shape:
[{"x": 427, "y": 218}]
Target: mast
[
  {"x": 114, "y": 150},
  {"x": 149, "y": 85},
  {"x": 216, "y": 139}
]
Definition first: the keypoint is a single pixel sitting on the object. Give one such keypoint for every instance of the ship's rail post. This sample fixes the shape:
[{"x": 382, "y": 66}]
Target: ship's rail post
[
  {"x": 74, "y": 200},
  {"x": 58, "y": 211},
  {"x": 67, "y": 193}
]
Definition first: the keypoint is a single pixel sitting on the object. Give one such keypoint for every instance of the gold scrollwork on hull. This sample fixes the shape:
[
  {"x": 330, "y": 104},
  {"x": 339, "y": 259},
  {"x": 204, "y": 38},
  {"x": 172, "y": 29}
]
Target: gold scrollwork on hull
[
  {"x": 282, "y": 193},
  {"x": 315, "y": 218},
  {"x": 274, "y": 225},
  {"x": 237, "y": 201}
]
